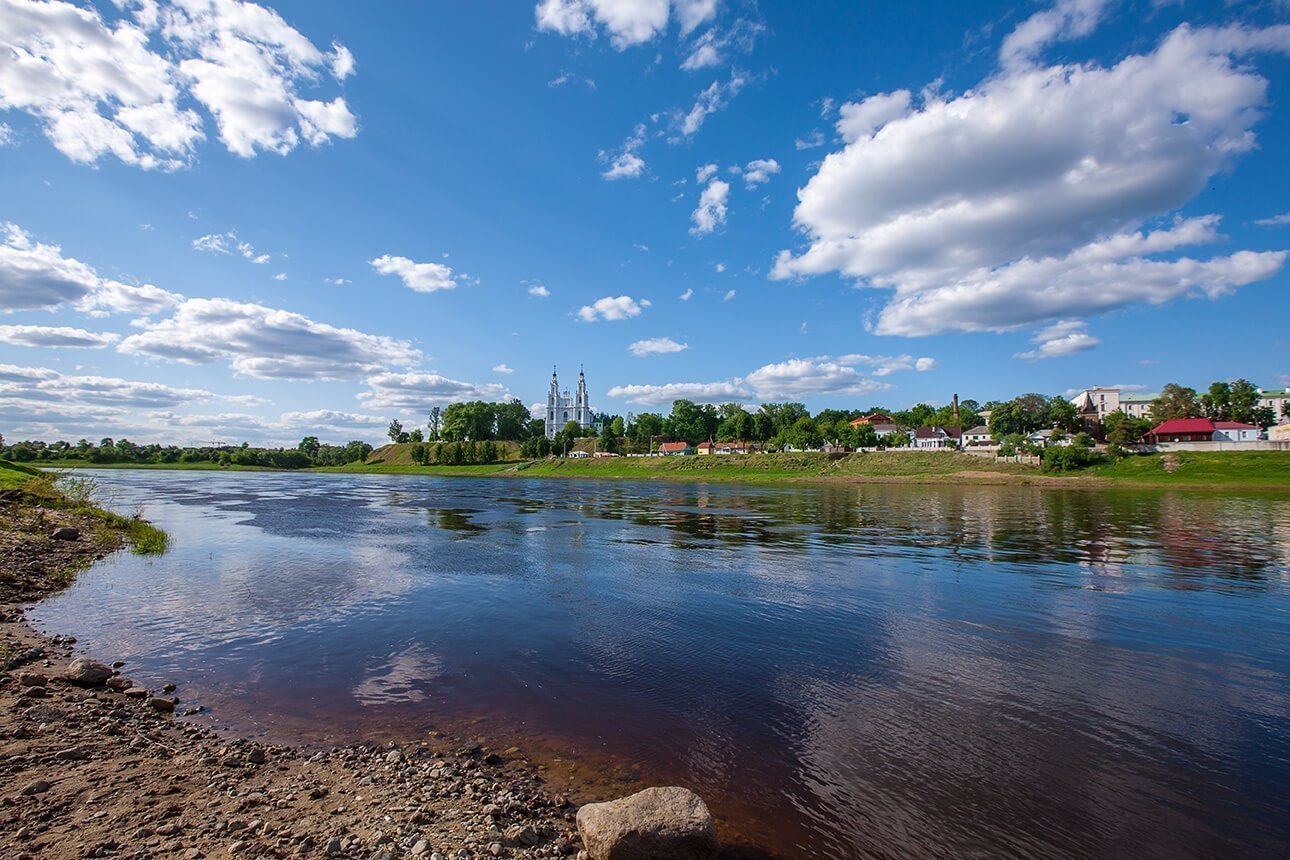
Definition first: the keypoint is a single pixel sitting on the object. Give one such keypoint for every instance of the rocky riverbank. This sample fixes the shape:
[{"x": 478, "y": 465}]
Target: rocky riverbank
[{"x": 92, "y": 766}]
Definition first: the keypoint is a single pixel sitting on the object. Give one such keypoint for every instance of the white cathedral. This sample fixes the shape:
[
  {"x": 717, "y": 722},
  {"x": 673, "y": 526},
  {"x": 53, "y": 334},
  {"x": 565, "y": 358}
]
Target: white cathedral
[{"x": 566, "y": 407}]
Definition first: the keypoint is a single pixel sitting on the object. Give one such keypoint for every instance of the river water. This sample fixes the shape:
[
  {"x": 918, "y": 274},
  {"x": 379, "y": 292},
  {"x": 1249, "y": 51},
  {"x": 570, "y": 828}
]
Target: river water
[{"x": 850, "y": 671}]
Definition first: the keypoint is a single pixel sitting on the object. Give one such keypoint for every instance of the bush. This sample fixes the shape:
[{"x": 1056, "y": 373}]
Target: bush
[{"x": 1069, "y": 458}]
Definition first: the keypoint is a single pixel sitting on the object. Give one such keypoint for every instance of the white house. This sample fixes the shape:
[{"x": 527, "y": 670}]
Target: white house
[
  {"x": 1235, "y": 431},
  {"x": 1278, "y": 401},
  {"x": 977, "y": 437},
  {"x": 1044, "y": 439},
  {"x": 1101, "y": 402},
  {"x": 936, "y": 437}
]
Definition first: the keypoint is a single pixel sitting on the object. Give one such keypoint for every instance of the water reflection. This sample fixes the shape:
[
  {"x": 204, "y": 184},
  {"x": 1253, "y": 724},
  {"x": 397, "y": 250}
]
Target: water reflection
[{"x": 846, "y": 671}]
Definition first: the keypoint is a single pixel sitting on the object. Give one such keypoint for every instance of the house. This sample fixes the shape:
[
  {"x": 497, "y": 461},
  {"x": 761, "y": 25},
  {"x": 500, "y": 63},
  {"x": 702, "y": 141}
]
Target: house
[
  {"x": 602, "y": 454},
  {"x": 1094, "y": 404},
  {"x": 875, "y": 418},
  {"x": 1235, "y": 431},
  {"x": 886, "y": 429},
  {"x": 675, "y": 449},
  {"x": 733, "y": 447},
  {"x": 1181, "y": 430},
  {"x": 705, "y": 448},
  {"x": 1280, "y": 433},
  {"x": 1044, "y": 439},
  {"x": 579, "y": 455},
  {"x": 977, "y": 437},
  {"x": 937, "y": 437},
  {"x": 1278, "y": 401}
]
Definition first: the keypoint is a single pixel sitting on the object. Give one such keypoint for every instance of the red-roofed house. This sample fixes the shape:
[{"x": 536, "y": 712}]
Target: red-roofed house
[
  {"x": 705, "y": 448},
  {"x": 1181, "y": 430},
  {"x": 875, "y": 418},
  {"x": 1235, "y": 431},
  {"x": 675, "y": 449}
]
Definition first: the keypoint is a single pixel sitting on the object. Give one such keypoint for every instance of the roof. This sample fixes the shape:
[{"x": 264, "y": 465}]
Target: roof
[
  {"x": 1139, "y": 398},
  {"x": 704, "y": 445},
  {"x": 1183, "y": 425},
  {"x": 979, "y": 430},
  {"x": 875, "y": 418},
  {"x": 674, "y": 446},
  {"x": 1234, "y": 425},
  {"x": 885, "y": 428},
  {"x": 953, "y": 429}
]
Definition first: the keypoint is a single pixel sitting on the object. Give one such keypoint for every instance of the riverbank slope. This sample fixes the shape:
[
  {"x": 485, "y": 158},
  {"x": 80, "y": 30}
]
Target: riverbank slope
[{"x": 1218, "y": 470}]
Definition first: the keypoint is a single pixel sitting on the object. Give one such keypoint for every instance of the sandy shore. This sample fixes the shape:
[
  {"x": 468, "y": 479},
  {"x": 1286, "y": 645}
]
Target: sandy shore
[{"x": 110, "y": 771}]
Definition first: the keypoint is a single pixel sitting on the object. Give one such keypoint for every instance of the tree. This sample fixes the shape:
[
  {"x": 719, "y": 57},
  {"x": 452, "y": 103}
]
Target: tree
[
  {"x": 1123, "y": 430},
  {"x": 418, "y": 453},
  {"x": 803, "y": 435},
  {"x": 1245, "y": 401},
  {"x": 414, "y": 435},
  {"x": 1217, "y": 402},
  {"x": 864, "y": 436},
  {"x": 535, "y": 427},
  {"x": 395, "y": 430},
  {"x": 1015, "y": 417},
  {"x": 609, "y": 441},
  {"x": 687, "y": 421},
  {"x": 434, "y": 423},
  {"x": 1263, "y": 417},
  {"x": 736, "y": 424},
  {"x": 512, "y": 419},
  {"x": 474, "y": 420},
  {"x": 1175, "y": 401},
  {"x": 646, "y": 426},
  {"x": 310, "y": 446},
  {"x": 1062, "y": 415}
]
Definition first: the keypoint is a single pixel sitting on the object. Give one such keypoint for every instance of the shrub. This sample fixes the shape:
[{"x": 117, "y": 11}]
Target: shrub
[{"x": 1069, "y": 458}]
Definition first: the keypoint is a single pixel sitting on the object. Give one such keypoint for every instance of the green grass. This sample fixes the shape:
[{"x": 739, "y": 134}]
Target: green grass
[
  {"x": 81, "y": 495},
  {"x": 1268, "y": 470},
  {"x": 1255, "y": 469},
  {"x": 14, "y": 475}
]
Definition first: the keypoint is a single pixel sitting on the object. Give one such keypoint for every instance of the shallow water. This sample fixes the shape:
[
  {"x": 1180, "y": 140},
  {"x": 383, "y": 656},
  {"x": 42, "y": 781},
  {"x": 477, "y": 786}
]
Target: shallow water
[{"x": 844, "y": 671}]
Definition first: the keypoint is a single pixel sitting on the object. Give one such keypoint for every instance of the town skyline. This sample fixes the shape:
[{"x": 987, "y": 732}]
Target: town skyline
[{"x": 693, "y": 207}]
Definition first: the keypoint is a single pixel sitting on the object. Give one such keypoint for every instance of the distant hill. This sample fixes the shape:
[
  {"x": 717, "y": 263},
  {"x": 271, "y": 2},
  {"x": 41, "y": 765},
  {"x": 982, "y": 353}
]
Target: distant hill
[{"x": 400, "y": 454}]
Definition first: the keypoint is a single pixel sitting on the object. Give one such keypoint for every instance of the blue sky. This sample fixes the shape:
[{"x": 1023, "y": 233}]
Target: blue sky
[{"x": 225, "y": 220}]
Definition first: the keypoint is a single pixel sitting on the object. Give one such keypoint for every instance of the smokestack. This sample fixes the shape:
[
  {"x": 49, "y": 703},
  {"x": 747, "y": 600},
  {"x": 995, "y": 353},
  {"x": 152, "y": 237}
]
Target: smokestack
[{"x": 956, "y": 406}]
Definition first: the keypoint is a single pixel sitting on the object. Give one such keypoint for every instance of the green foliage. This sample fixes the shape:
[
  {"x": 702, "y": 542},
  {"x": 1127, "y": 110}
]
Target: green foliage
[
  {"x": 1069, "y": 458},
  {"x": 395, "y": 430},
  {"x": 1123, "y": 430},
  {"x": 1175, "y": 401}
]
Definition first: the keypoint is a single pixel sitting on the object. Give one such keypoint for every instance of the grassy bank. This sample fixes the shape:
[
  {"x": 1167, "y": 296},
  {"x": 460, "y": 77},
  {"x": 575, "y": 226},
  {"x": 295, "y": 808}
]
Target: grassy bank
[
  {"x": 33, "y": 505},
  {"x": 1259, "y": 470}
]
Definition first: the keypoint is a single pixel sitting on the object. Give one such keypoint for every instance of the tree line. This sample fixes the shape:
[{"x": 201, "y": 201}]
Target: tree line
[{"x": 309, "y": 452}]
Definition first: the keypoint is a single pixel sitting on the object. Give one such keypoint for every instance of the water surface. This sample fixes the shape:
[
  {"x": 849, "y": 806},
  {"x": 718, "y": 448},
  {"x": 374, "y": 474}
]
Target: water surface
[{"x": 853, "y": 671}]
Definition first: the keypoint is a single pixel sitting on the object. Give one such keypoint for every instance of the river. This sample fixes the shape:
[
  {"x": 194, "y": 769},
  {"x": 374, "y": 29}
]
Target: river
[{"x": 843, "y": 671}]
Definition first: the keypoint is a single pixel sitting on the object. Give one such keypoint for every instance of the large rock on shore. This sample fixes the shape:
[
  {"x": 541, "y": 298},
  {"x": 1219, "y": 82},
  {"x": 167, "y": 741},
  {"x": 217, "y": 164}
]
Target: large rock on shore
[
  {"x": 87, "y": 673},
  {"x": 655, "y": 824}
]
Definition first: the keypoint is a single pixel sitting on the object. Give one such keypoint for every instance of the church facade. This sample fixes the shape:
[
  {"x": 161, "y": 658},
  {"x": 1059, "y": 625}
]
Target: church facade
[{"x": 563, "y": 407}]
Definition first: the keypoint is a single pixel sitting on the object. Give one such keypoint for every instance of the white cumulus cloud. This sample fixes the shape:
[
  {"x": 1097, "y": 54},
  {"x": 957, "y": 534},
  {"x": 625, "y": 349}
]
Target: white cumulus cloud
[
  {"x": 612, "y": 308},
  {"x": 123, "y": 88},
  {"x": 628, "y": 22},
  {"x": 711, "y": 211},
  {"x": 656, "y": 346},
  {"x": 1065, "y": 337},
  {"x": 540, "y": 291},
  {"x": 266, "y": 343},
  {"x": 417, "y": 391},
  {"x": 421, "y": 277},
  {"x": 62, "y": 337},
  {"x": 1037, "y": 196},
  {"x": 760, "y": 170},
  {"x": 36, "y": 276}
]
